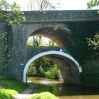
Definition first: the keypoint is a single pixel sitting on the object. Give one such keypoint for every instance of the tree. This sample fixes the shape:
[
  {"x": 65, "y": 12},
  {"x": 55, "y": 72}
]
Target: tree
[
  {"x": 43, "y": 67},
  {"x": 93, "y": 42},
  {"x": 93, "y": 3},
  {"x": 40, "y": 66},
  {"x": 40, "y": 5},
  {"x": 11, "y": 13}
]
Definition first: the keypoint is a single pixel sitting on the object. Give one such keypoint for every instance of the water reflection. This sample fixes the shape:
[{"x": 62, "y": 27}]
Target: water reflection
[
  {"x": 66, "y": 90},
  {"x": 80, "y": 97},
  {"x": 73, "y": 89},
  {"x": 45, "y": 81}
]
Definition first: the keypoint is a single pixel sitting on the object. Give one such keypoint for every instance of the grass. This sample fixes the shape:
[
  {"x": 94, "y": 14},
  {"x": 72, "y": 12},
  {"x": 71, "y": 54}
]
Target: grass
[{"x": 9, "y": 87}]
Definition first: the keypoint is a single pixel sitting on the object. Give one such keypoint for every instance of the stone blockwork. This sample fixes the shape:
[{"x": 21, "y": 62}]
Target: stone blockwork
[
  {"x": 41, "y": 24},
  {"x": 69, "y": 70},
  {"x": 61, "y": 36},
  {"x": 61, "y": 16},
  {"x": 3, "y": 28},
  {"x": 34, "y": 50}
]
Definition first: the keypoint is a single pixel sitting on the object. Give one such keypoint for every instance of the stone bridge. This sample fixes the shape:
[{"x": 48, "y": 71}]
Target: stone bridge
[
  {"x": 58, "y": 54},
  {"x": 34, "y": 50},
  {"x": 44, "y": 24}
]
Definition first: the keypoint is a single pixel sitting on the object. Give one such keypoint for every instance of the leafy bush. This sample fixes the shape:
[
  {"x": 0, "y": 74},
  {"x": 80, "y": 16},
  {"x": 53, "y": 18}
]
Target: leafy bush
[
  {"x": 44, "y": 95},
  {"x": 39, "y": 66},
  {"x": 7, "y": 93},
  {"x": 52, "y": 73},
  {"x": 43, "y": 67},
  {"x": 9, "y": 86}
]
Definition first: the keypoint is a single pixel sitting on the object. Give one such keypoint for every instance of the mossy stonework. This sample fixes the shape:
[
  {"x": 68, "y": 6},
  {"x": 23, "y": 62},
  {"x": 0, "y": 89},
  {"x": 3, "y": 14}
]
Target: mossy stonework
[{"x": 69, "y": 30}]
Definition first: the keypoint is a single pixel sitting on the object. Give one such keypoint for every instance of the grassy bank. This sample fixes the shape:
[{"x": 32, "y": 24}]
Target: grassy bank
[{"x": 9, "y": 87}]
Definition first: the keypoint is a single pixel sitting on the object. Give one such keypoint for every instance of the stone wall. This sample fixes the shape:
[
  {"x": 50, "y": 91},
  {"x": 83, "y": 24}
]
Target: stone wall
[
  {"x": 3, "y": 28},
  {"x": 21, "y": 53},
  {"x": 69, "y": 70},
  {"x": 34, "y": 50}
]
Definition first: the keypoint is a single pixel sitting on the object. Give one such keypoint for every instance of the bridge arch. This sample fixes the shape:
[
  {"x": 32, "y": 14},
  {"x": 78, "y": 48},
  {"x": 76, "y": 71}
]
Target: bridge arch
[
  {"x": 61, "y": 36},
  {"x": 48, "y": 53}
]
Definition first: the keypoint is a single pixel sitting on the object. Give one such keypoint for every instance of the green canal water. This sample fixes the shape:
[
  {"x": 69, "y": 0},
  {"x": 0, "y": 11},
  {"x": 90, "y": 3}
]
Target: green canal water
[{"x": 66, "y": 90}]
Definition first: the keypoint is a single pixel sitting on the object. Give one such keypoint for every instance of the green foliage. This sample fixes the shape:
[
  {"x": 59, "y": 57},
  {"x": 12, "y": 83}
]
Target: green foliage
[
  {"x": 7, "y": 93},
  {"x": 40, "y": 65},
  {"x": 9, "y": 13},
  {"x": 5, "y": 77},
  {"x": 52, "y": 72},
  {"x": 80, "y": 50},
  {"x": 38, "y": 41},
  {"x": 46, "y": 88},
  {"x": 56, "y": 27},
  {"x": 94, "y": 43},
  {"x": 43, "y": 67},
  {"x": 41, "y": 88},
  {"x": 90, "y": 73},
  {"x": 9, "y": 87},
  {"x": 93, "y": 3},
  {"x": 44, "y": 95},
  {"x": 4, "y": 50},
  {"x": 13, "y": 14}
]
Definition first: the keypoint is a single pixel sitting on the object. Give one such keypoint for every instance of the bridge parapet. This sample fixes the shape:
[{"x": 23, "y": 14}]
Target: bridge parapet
[
  {"x": 61, "y": 16},
  {"x": 34, "y": 50}
]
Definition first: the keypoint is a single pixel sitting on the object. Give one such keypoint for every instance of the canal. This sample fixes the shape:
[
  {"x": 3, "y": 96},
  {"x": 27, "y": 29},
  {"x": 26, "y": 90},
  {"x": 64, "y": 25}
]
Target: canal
[{"x": 65, "y": 90}]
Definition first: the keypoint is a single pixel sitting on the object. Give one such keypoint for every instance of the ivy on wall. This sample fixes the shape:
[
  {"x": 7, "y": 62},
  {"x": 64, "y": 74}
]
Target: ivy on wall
[
  {"x": 80, "y": 50},
  {"x": 83, "y": 53}
]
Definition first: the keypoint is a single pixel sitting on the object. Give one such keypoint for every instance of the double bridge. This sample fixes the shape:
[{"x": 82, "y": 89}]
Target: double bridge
[{"x": 50, "y": 24}]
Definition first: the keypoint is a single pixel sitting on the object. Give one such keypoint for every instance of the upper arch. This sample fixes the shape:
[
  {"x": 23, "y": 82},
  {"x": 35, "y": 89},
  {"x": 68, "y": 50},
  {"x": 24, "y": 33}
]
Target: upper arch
[{"x": 62, "y": 36}]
